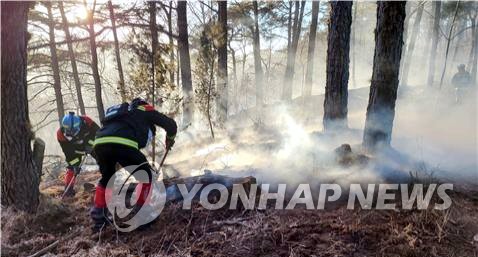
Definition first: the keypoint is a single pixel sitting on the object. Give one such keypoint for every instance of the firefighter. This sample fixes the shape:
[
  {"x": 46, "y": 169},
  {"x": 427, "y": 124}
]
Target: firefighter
[
  {"x": 125, "y": 130},
  {"x": 461, "y": 81},
  {"x": 76, "y": 136},
  {"x": 462, "y": 78}
]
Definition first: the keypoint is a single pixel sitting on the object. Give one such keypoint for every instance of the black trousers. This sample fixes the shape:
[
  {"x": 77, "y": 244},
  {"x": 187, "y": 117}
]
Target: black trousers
[{"x": 107, "y": 155}]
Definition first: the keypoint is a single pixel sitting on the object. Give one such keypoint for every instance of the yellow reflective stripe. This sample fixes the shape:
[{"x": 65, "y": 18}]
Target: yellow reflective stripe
[
  {"x": 74, "y": 161},
  {"x": 141, "y": 108},
  {"x": 91, "y": 142},
  {"x": 116, "y": 140},
  {"x": 80, "y": 152}
]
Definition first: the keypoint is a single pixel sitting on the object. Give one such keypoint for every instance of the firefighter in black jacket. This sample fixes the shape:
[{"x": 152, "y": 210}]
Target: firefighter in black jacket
[
  {"x": 119, "y": 141},
  {"x": 76, "y": 137}
]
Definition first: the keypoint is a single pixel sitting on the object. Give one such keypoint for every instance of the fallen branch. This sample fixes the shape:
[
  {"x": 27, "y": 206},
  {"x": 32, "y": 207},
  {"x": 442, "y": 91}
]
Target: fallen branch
[
  {"x": 54, "y": 244},
  {"x": 231, "y": 222}
]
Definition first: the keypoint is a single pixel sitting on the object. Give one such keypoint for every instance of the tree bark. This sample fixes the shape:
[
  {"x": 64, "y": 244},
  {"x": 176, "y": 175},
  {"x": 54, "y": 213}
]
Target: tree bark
[
  {"x": 243, "y": 74},
  {"x": 434, "y": 43},
  {"x": 338, "y": 47},
  {"x": 169, "y": 15},
  {"x": 256, "y": 45},
  {"x": 475, "y": 59},
  {"x": 183, "y": 46},
  {"x": 121, "y": 85},
  {"x": 222, "y": 63},
  {"x": 38, "y": 153},
  {"x": 292, "y": 51},
  {"x": 411, "y": 46},
  {"x": 71, "y": 55},
  {"x": 311, "y": 48},
  {"x": 354, "y": 44},
  {"x": 459, "y": 38},
  {"x": 408, "y": 14},
  {"x": 60, "y": 108},
  {"x": 473, "y": 35},
  {"x": 20, "y": 177},
  {"x": 154, "y": 49},
  {"x": 450, "y": 33},
  {"x": 208, "y": 103},
  {"x": 386, "y": 65},
  {"x": 289, "y": 25},
  {"x": 234, "y": 74},
  {"x": 474, "y": 67},
  {"x": 94, "y": 64}
]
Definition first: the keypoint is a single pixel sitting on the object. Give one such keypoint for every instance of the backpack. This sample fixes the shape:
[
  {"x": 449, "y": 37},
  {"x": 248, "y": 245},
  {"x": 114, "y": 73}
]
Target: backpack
[{"x": 116, "y": 112}]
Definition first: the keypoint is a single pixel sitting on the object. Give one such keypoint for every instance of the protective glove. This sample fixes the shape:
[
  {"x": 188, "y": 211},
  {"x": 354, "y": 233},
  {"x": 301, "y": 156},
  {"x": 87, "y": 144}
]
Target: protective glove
[{"x": 169, "y": 142}]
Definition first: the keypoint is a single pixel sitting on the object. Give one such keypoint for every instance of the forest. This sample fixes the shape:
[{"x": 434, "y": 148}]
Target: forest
[{"x": 249, "y": 93}]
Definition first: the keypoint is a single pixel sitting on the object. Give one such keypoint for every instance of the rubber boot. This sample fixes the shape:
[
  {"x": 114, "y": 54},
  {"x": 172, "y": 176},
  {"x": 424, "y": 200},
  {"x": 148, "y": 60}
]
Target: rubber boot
[
  {"x": 99, "y": 217},
  {"x": 99, "y": 212}
]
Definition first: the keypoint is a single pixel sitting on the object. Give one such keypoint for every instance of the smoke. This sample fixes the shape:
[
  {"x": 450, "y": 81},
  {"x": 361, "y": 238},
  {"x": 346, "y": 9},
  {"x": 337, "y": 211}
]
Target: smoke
[
  {"x": 285, "y": 142},
  {"x": 432, "y": 135}
]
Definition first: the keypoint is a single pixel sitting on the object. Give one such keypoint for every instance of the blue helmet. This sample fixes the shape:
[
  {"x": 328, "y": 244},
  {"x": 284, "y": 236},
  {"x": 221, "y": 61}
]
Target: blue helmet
[{"x": 71, "y": 124}]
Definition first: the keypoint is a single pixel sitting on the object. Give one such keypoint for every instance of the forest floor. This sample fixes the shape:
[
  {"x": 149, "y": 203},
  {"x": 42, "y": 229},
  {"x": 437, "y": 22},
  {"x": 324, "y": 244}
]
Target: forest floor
[
  {"x": 201, "y": 232},
  {"x": 283, "y": 150}
]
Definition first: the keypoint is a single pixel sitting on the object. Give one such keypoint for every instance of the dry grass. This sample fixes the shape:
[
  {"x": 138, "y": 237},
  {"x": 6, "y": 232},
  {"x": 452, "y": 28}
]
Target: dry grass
[{"x": 200, "y": 232}]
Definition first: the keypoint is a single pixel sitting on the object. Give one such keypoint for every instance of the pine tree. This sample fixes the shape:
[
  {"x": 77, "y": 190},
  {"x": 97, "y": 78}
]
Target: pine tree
[{"x": 386, "y": 65}]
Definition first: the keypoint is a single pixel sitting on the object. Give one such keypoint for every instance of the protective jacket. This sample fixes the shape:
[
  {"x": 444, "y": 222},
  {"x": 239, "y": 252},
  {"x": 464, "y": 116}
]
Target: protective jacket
[
  {"x": 74, "y": 148},
  {"x": 462, "y": 79},
  {"x": 133, "y": 129}
]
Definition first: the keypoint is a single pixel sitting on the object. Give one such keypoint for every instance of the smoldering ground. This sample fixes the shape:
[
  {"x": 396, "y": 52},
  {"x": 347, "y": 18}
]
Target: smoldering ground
[{"x": 432, "y": 136}]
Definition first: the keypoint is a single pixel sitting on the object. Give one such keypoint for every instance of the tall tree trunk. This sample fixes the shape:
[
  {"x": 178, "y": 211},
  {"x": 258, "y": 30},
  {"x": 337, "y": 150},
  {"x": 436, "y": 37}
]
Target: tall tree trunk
[
  {"x": 434, "y": 43},
  {"x": 354, "y": 44},
  {"x": 222, "y": 63},
  {"x": 409, "y": 13},
  {"x": 71, "y": 55},
  {"x": 117, "y": 53},
  {"x": 472, "y": 49},
  {"x": 183, "y": 46},
  {"x": 54, "y": 64},
  {"x": 311, "y": 48},
  {"x": 386, "y": 65},
  {"x": 94, "y": 64},
  {"x": 234, "y": 75},
  {"x": 411, "y": 46},
  {"x": 338, "y": 47},
  {"x": 429, "y": 35},
  {"x": 243, "y": 76},
  {"x": 474, "y": 67},
  {"x": 292, "y": 51},
  {"x": 154, "y": 48},
  {"x": 459, "y": 39},
  {"x": 208, "y": 103},
  {"x": 256, "y": 45},
  {"x": 178, "y": 73},
  {"x": 289, "y": 25},
  {"x": 20, "y": 178},
  {"x": 169, "y": 16},
  {"x": 450, "y": 33}
]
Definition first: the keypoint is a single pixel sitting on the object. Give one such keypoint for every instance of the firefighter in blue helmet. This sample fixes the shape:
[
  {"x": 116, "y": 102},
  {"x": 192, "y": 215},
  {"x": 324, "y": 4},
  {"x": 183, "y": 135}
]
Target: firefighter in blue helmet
[
  {"x": 126, "y": 129},
  {"x": 76, "y": 136}
]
